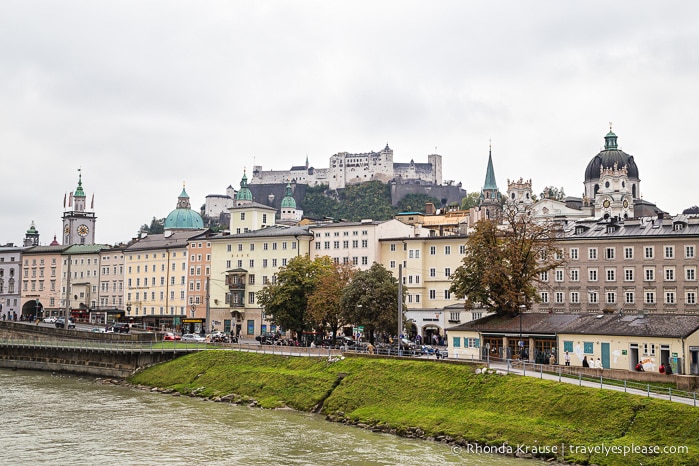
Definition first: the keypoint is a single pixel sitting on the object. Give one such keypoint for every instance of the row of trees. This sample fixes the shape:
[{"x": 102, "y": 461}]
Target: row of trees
[
  {"x": 500, "y": 271},
  {"x": 319, "y": 295}
]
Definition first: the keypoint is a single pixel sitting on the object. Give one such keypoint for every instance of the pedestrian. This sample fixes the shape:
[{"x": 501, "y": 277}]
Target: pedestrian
[
  {"x": 567, "y": 358},
  {"x": 668, "y": 369},
  {"x": 552, "y": 359},
  {"x": 639, "y": 367},
  {"x": 599, "y": 364},
  {"x": 585, "y": 363},
  {"x": 661, "y": 369}
]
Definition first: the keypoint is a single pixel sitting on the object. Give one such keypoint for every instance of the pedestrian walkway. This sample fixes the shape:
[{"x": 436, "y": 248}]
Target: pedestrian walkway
[{"x": 544, "y": 372}]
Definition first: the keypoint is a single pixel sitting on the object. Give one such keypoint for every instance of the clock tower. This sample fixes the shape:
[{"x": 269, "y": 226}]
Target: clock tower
[{"x": 78, "y": 223}]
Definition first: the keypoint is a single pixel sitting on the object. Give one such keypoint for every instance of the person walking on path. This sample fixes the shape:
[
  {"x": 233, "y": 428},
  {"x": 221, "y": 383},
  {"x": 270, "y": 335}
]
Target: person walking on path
[
  {"x": 585, "y": 363},
  {"x": 567, "y": 358}
]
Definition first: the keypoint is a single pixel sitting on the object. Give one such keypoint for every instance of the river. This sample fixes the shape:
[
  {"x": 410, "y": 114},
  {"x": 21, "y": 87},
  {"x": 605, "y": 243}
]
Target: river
[{"x": 68, "y": 420}]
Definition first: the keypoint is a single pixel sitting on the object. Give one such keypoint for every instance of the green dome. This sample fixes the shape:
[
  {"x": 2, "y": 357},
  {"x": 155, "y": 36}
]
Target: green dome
[
  {"x": 183, "y": 217},
  {"x": 288, "y": 202},
  {"x": 244, "y": 194}
]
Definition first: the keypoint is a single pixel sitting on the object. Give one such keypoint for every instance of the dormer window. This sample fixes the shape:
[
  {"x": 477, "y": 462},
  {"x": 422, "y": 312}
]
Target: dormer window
[{"x": 678, "y": 226}]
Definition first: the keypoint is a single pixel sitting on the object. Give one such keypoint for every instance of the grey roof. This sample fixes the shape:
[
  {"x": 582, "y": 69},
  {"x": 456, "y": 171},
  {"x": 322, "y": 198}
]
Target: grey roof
[
  {"x": 537, "y": 323},
  {"x": 248, "y": 205},
  {"x": 170, "y": 239},
  {"x": 635, "y": 228},
  {"x": 86, "y": 248},
  {"x": 276, "y": 230},
  {"x": 45, "y": 249}
]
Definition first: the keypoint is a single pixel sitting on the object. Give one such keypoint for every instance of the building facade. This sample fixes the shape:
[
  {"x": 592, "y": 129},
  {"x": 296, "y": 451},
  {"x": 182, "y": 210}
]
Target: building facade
[{"x": 10, "y": 280}]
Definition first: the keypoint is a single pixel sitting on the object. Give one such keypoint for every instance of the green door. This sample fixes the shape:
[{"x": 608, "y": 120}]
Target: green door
[{"x": 605, "y": 355}]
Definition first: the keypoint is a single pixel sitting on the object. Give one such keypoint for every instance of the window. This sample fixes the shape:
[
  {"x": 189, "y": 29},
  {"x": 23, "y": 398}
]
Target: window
[
  {"x": 326, "y": 244},
  {"x": 365, "y": 243},
  {"x": 628, "y": 274},
  {"x": 456, "y": 342},
  {"x": 669, "y": 297},
  {"x": 574, "y": 275},
  {"x": 544, "y": 297},
  {"x": 252, "y": 246},
  {"x": 609, "y": 253},
  {"x": 574, "y": 297},
  {"x": 568, "y": 346},
  {"x": 611, "y": 275},
  {"x": 611, "y": 297},
  {"x": 544, "y": 276},
  {"x": 669, "y": 274},
  {"x": 447, "y": 272},
  {"x": 264, "y": 263},
  {"x": 650, "y": 297},
  {"x": 574, "y": 253},
  {"x": 559, "y": 297},
  {"x": 669, "y": 252},
  {"x": 447, "y": 250},
  {"x": 559, "y": 275},
  {"x": 317, "y": 245},
  {"x": 689, "y": 252},
  {"x": 648, "y": 252},
  {"x": 592, "y": 253},
  {"x": 447, "y": 294},
  {"x": 594, "y": 299},
  {"x": 629, "y": 297},
  {"x": 462, "y": 249},
  {"x": 433, "y": 294},
  {"x": 336, "y": 245},
  {"x": 433, "y": 272},
  {"x": 433, "y": 250},
  {"x": 592, "y": 275},
  {"x": 588, "y": 347},
  {"x": 649, "y": 274},
  {"x": 251, "y": 297},
  {"x": 690, "y": 297},
  {"x": 690, "y": 274},
  {"x": 628, "y": 252}
]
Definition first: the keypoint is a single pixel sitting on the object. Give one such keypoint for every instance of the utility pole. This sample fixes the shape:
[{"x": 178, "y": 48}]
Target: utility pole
[
  {"x": 400, "y": 307},
  {"x": 208, "y": 313}
]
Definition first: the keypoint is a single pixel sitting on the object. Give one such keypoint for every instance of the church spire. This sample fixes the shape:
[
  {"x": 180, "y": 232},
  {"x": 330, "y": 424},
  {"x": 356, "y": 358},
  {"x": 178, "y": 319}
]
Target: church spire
[
  {"x": 490, "y": 183},
  {"x": 610, "y": 139}
]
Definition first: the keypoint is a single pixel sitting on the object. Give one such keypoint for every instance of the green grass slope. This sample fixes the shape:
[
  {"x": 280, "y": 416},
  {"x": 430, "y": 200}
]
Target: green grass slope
[{"x": 446, "y": 399}]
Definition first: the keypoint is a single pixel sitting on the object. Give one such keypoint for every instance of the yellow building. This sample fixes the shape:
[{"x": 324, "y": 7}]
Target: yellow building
[
  {"x": 42, "y": 269},
  {"x": 613, "y": 340}
]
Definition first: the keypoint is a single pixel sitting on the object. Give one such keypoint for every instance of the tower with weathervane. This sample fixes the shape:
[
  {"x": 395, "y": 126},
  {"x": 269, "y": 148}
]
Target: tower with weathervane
[{"x": 78, "y": 223}]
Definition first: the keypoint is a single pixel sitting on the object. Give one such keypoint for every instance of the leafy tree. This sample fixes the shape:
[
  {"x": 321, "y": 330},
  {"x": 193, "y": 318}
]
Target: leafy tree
[
  {"x": 316, "y": 203},
  {"x": 471, "y": 200},
  {"x": 501, "y": 267},
  {"x": 415, "y": 202},
  {"x": 371, "y": 300},
  {"x": 156, "y": 227},
  {"x": 691, "y": 210},
  {"x": 324, "y": 304},
  {"x": 366, "y": 200},
  {"x": 286, "y": 301}
]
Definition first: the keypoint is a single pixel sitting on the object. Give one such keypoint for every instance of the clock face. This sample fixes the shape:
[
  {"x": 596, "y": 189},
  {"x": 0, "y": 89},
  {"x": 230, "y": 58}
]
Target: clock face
[
  {"x": 606, "y": 203},
  {"x": 83, "y": 230},
  {"x": 626, "y": 203}
]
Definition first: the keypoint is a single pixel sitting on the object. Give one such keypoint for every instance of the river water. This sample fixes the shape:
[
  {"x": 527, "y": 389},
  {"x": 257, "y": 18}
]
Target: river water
[{"x": 67, "y": 420}]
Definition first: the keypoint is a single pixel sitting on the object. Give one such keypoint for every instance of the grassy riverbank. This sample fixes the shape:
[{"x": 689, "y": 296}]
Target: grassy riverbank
[{"x": 433, "y": 400}]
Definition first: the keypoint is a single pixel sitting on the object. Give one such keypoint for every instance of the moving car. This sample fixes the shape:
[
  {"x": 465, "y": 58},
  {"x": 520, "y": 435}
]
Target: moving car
[
  {"x": 50, "y": 319},
  {"x": 169, "y": 336},
  {"x": 193, "y": 337},
  {"x": 98, "y": 330},
  {"x": 61, "y": 323}
]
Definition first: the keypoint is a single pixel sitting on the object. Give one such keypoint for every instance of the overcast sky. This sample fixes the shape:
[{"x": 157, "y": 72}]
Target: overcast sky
[{"x": 145, "y": 95}]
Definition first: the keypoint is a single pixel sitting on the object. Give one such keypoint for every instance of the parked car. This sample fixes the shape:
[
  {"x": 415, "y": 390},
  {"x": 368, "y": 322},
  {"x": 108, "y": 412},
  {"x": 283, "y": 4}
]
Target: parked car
[
  {"x": 121, "y": 327},
  {"x": 50, "y": 319},
  {"x": 169, "y": 336},
  {"x": 193, "y": 337},
  {"x": 98, "y": 330},
  {"x": 267, "y": 338},
  {"x": 61, "y": 323},
  {"x": 218, "y": 337}
]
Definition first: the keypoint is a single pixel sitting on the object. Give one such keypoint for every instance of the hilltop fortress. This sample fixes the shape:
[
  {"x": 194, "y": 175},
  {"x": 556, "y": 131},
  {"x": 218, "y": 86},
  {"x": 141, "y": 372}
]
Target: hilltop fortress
[{"x": 347, "y": 169}]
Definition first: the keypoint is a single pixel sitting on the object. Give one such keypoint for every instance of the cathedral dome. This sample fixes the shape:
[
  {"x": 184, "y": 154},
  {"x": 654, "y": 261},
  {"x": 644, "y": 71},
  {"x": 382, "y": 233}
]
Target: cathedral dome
[
  {"x": 183, "y": 217},
  {"x": 288, "y": 202},
  {"x": 610, "y": 156}
]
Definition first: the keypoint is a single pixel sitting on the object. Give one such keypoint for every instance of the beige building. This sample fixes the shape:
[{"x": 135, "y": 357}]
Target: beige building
[
  {"x": 110, "y": 301},
  {"x": 80, "y": 278},
  {"x": 42, "y": 269},
  {"x": 357, "y": 243},
  {"x": 617, "y": 341},
  {"x": 155, "y": 278},
  {"x": 633, "y": 266}
]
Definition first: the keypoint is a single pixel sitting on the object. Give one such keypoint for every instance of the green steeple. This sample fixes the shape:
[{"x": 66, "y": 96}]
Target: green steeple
[
  {"x": 490, "y": 183},
  {"x": 244, "y": 194},
  {"x": 288, "y": 202},
  {"x": 610, "y": 140},
  {"x": 79, "y": 190}
]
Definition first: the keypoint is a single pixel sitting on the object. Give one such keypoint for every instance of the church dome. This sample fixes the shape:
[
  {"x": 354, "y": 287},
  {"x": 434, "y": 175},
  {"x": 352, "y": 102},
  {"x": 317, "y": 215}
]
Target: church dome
[
  {"x": 244, "y": 194},
  {"x": 608, "y": 157},
  {"x": 288, "y": 202},
  {"x": 183, "y": 217}
]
